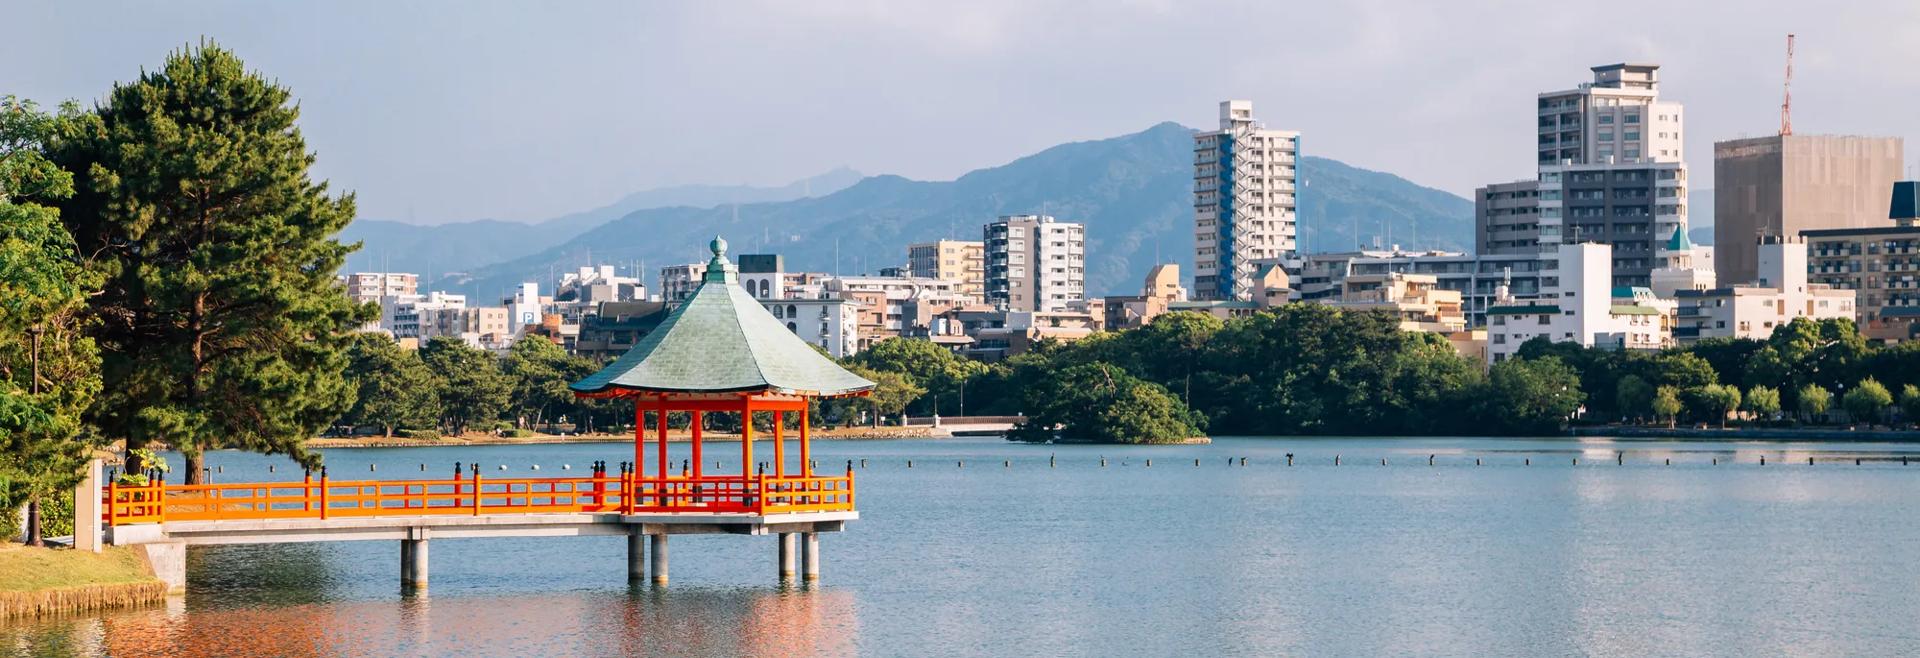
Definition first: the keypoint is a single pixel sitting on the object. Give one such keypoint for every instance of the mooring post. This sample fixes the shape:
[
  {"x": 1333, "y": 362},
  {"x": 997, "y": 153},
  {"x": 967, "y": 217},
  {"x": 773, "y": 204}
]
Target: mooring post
[
  {"x": 659, "y": 558},
  {"x": 810, "y": 555},
  {"x": 786, "y": 557}
]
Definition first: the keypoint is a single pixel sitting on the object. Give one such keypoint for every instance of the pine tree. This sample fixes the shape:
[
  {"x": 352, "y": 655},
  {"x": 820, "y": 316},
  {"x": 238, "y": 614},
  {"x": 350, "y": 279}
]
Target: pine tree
[
  {"x": 222, "y": 323},
  {"x": 394, "y": 387},
  {"x": 49, "y": 367},
  {"x": 472, "y": 387}
]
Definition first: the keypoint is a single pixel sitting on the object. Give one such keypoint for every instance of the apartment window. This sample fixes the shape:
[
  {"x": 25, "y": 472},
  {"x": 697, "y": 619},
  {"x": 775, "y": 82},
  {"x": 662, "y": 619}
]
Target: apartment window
[
  {"x": 1632, "y": 135},
  {"x": 1633, "y": 117},
  {"x": 1606, "y": 119}
]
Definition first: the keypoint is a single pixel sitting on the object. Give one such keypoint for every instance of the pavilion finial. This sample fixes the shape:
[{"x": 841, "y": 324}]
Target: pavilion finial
[{"x": 719, "y": 269}]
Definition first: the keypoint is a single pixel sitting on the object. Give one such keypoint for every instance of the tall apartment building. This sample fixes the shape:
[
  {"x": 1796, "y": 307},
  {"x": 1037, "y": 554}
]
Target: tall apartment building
[
  {"x": 366, "y": 287},
  {"x": 1243, "y": 202},
  {"x": 1035, "y": 263},
  {"x": 964, "y": 261},
  {"x": 677, "y": 282},
  {"x": 1635, "y": 207},
  {"x": 1778, "y": 186},
  {"x": 1617, "y": 117}
]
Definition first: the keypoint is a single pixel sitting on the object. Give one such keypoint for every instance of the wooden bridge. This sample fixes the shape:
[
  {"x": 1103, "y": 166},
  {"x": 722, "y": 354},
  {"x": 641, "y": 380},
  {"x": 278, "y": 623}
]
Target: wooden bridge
[
  {"x": 165, "y": 518},
  {"x": 719, "y": 352}
]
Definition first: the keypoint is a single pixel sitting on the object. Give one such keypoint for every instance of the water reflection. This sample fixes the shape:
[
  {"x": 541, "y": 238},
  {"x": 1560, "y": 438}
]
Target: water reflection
[{"x": 644, "y": 621}]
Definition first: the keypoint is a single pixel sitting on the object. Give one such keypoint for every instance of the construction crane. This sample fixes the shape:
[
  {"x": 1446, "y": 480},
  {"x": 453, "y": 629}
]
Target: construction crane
[{"x": 1786, "y": 102}]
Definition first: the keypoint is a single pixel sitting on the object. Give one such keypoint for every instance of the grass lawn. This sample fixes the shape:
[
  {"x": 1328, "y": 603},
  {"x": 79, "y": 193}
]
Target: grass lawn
[{"x": 24, "y": 569}]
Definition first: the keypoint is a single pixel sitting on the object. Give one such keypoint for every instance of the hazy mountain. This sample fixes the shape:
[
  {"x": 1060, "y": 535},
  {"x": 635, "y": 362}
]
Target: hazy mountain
[
  {"x": 1133, "y": 192},
  {"x": 462, "y": 246},
  {"x": 1700, "y": 216}
]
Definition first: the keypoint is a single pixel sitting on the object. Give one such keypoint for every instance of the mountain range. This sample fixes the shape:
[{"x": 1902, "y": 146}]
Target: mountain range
[{"x": 1133, "y": 193}]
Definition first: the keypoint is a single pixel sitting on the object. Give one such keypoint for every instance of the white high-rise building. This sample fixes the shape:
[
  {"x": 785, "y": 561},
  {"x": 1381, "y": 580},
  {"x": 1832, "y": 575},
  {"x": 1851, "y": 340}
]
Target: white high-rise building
[
  {"x": 1618, "y": 117},
  {"x": 1243, "y": 202}
]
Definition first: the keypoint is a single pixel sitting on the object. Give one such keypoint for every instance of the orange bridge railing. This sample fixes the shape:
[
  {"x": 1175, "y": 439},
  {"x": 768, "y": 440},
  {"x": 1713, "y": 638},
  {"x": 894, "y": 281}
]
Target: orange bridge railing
[{"x": 600, "y": 492}]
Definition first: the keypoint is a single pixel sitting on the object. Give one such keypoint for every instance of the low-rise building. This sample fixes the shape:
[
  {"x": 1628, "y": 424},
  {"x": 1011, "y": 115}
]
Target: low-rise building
[
  {"x": 615, "y": 327},
  {"x": 1583, "y": 307},
  {"x": 678, "y": 281},
  {"x": 1413, "y": 298},
  {"x": 833, "y": 324},
  {"x": 1161, "y": 288},
  {"x": 1478, "y": 279},
  {"x": 1753, "y": 310}
]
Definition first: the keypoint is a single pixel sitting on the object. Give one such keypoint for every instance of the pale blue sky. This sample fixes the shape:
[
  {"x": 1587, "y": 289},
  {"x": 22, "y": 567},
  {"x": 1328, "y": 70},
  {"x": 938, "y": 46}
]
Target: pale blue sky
[{"x": 460, "y": 110}]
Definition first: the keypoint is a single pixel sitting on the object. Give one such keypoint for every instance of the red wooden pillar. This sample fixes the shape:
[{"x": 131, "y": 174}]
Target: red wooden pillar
[
  {"x": 694, "y": 430},
  {"x": 639, "y": 435},
  {"x": 660, "y": 418},
  {"x": 806, "y": 454},
  {"x": 779, "y": 448},
  {"x": 746, "y": 440}
]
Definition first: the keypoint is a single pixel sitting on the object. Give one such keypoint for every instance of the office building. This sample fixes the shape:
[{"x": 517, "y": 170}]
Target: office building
[
  {"x": 1035, "y": 263},
  {"x": 1243, "y": 202},
  {"x": 1779, "y": 186}
]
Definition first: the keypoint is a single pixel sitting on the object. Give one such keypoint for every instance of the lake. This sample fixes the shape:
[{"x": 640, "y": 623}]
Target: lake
[{"x": 1669, "y": 553}]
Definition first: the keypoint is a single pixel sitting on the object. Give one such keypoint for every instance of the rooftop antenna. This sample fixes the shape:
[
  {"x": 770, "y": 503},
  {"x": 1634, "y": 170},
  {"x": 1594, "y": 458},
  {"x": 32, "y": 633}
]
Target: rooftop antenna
[{"x": 1786, "y": 101}]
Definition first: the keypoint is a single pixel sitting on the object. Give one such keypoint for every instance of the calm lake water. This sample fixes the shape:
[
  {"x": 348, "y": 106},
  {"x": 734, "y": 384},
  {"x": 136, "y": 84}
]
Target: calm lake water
[{"x": 1552, "y": 558}]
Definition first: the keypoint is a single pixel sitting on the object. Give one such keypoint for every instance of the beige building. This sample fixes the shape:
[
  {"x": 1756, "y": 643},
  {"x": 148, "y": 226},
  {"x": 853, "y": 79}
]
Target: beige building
[
  {"x": 1779, "y": 294},
  {"x": 1881, "y": 265},
  {"x": 1413, "y": 298},
  {"x": 964, "y": 261},
  {"x": 1035, "y": 263},
  {"x": 1618, "y": 117},
  {"x": 364, "y": 287},
  {"x": 1779, "y": 186},
  {"x": 1161, "y": 289}
]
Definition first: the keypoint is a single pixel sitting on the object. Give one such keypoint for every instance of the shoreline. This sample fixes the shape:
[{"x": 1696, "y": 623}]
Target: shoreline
[{"x": 46, "y": 582}]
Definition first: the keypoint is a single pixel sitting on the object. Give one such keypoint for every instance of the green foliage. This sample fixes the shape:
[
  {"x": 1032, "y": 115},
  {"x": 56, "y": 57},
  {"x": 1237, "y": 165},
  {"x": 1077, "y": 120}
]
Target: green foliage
[
  {"x": 395, "y": 389},
  {"x": 1666, "y": 403},
  {"x": 541, "y": 371},
  {"x": 49, "y": 366},
  {"x": 1530, "y": 396},
  {"x": 892, "y": 392},
  {"x": 935, "y": 370},
  {"x": 1811, "y": 400},
  {"x": 1099, "y": 402},
  {"x": 428, "y": 435},
  {"x": 473, "y": 390},
  {"x": 1762, "y": 401},
  {"x": 1867, "y": 401},
  {"x": 1634, "y": 396},
  {"x": 1910, "y": 403},
  {"x": 224, "y": 325},
  {"x": 1713, "y": 402}
]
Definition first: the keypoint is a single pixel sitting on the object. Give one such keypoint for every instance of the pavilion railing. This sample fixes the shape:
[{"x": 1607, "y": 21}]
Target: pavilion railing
[{"x": 618, "y": 493}]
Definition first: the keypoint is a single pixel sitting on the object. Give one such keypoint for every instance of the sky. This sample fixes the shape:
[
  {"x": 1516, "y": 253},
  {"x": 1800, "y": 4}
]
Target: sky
[{"x": 443, "y": 111}]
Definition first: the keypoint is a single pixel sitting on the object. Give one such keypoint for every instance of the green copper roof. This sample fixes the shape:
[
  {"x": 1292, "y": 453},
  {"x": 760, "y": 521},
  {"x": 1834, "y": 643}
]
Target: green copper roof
[
  {"x": 1679, "y": 241},
  {"x": 1523, "y": 309},
  {"x": 721, "y": 340}
]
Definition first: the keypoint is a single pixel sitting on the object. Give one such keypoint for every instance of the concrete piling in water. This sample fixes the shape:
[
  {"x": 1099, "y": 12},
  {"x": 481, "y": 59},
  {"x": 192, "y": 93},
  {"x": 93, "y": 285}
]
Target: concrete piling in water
[
  {"x": 1809, "y": 461},
  {"x": 1429, "y": 460},
  {"x": 786, "y": 557},
  {"x": 270, "y": 468},
  {"x": 1103, "y": 462},
  {"x": 1576, "y": 461},
  {"x": 1149, "y": 463},
  {"x": 863, "y": 462},
  {"x": 1196, "y": 462},
  {"x": 1529, "y": 461},
  {"x": 1619, "y": 459},
  {"x": 371, "y": 468},
  {"x": 810, "y": 556},
  {"x": 1050, "y": 461},
  {"x": 1243, "y": 461},
  {"x": 1716, "y": 461},
  {"x": 1007, "y": 464},
  {"x": 1289, "y": 459},
  {"x": 1856, "y": 461},
  {"x": 659, "y": 546},
  {"x": 1763, "y": 460},
  {"x": 1669, "y": 461},
  {"x": 636, "y": 556},
  {"x": 1383, "y": 461},
  {"x": 1476, "y": 461},
  {"x": 909, "y": 463},
  {"x": 1336, "y": 460}
]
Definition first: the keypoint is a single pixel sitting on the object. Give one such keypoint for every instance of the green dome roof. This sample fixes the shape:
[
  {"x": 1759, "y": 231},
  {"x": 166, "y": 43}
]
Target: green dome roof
[{"x": 721, "y": 341}]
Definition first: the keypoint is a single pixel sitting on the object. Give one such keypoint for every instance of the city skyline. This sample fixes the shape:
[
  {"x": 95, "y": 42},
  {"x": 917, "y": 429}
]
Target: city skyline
[{"x": 497, "y": 112}]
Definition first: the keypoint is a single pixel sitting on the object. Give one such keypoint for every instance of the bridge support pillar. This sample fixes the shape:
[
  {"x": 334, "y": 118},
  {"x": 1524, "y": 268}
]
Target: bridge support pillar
[
  {"x": 169, "y": 563},
  {"x": 786, "y": 556},
  {"x": 413, "y": 559},
  {"x": 636, "y": 556},
  {"x": 810, "y": 555},
  {"x": 659, "y": 558}
]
